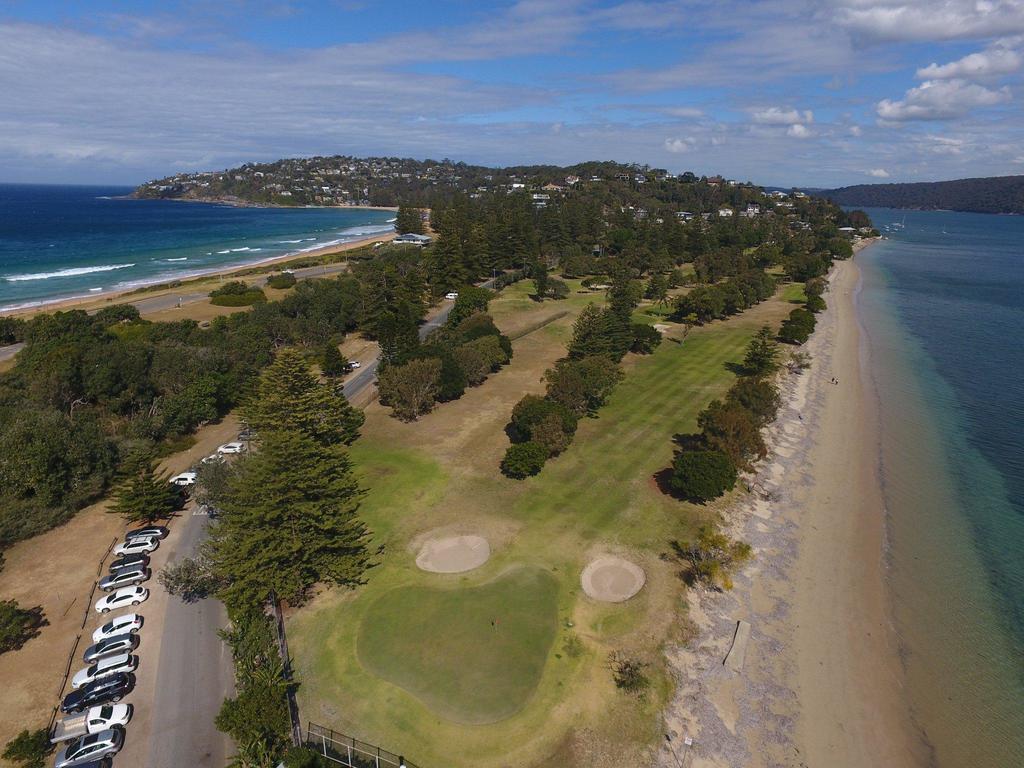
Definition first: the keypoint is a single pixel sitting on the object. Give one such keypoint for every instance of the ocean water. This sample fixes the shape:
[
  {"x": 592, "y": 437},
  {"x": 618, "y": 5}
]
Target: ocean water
[
  {"x": 942, "y": 304},
  {"x": 58, "y": 241}
]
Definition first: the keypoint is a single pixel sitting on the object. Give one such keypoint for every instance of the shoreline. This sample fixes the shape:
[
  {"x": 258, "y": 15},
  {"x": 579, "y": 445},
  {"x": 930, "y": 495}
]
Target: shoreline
[
  {"x": 96, "y": 300},
  {"x": 239, "y": 203},
  {"x": 824, "y": 681}
]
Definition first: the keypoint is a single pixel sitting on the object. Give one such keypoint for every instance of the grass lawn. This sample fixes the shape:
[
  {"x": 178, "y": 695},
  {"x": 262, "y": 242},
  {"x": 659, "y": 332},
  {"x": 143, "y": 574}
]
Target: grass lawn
[
  {"x": 399, "y": 662},
  {"x": 475, "y": 654}
]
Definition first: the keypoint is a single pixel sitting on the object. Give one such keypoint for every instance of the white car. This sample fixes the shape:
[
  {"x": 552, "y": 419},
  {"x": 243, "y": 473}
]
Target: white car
[
  {"x": 229, "y": 448},
  {"x": 96, "y": 746},
  {"x": 184, "y": 480},
  {"x": 353, "y": 364},
  {"x": 452, "y": 295},
  {"x": 213, "y": 457},
  {"x": 119, "y": 625},
  {"x": 121, "y": 598},
  {"x": 105, "y": 667},
  {"x": 136, "y": 546},
  {"x": 107, "y": 716}
]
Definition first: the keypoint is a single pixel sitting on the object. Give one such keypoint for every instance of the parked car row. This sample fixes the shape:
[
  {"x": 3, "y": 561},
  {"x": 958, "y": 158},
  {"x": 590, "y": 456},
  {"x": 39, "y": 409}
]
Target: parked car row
[{"x": 95, "y": 722}]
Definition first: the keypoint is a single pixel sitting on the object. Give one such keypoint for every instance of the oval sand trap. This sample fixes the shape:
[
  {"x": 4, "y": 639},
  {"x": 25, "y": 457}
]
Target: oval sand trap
[
  {"x": 453, "y": 554},
  {"x": 612, "y": 579}
]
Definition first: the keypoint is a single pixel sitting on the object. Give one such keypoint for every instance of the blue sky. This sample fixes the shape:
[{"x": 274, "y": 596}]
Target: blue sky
[{"x": 787, "y": 92}]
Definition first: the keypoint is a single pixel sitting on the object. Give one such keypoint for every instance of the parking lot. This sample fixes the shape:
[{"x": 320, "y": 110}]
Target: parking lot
[{"x": 184, "y": 671}]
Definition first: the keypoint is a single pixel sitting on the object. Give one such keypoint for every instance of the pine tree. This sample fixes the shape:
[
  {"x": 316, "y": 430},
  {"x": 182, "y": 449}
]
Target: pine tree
[
  {"x": 588, "y": 334},
  {"x": 408, "y": 221},
  {"x": 288, "y": 522},
  {"x": 144, "y": 496},
  {"x": 332, "y": 362},
  {"x": 289, "y": 396},
  {"x": 762, "y": 353}
]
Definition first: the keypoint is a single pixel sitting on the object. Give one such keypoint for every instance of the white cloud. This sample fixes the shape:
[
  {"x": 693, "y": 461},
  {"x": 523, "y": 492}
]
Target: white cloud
[
  {"x": 679, "y": 146},
  {"x": 799, "y": 131},
  {"x": 929, "y": 20},
  {"x": 989, "y": 63},
  {"x": 856, "y": 130},
  {"x": 940, "y": 100},
  {"x": 780, "y": 116},
  {"x": 942, "y": 145},
  {"x": 878, "y": 173}
]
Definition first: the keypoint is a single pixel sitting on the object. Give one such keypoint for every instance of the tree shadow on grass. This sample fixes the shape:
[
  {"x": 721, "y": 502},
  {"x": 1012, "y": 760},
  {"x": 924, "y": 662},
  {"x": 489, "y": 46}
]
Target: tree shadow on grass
[
  {"x": 737, "y": 368},
  {"x": 22, "y": 626}
]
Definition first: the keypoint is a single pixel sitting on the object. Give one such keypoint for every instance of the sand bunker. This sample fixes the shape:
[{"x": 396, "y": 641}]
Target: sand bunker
[
  {"x": 612, "y": 579},
  {"x": 453, "y": 554}
]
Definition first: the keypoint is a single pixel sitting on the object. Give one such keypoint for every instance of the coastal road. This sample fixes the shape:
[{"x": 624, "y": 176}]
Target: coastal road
[
  {"x": 170, "y": 300},
  {"x": 6, "y": 353}
]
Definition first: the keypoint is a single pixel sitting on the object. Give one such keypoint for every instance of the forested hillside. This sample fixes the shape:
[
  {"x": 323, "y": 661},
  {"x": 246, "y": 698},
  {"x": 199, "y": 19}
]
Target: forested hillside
[{"x": 997, "y": 194}]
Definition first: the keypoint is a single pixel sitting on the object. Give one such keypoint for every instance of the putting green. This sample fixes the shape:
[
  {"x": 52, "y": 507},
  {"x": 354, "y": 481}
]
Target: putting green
[{"x": 471, "y": 654}]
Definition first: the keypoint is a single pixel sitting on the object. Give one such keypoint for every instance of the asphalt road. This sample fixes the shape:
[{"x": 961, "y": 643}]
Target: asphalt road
[
  {"x": 367, "y": 375},
  {"x": 6, "y": 353},
  {"x": 170, "y": 300},
  {"x": 194, "y": 674}
]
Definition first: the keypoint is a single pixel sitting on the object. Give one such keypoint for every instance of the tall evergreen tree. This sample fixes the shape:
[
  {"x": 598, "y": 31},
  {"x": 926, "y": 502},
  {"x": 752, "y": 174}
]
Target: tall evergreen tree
[
  {"x": 408, "y": 221},
  {"x": 762, "y": 353},
  {"x": 289, "y": 521},
  {"x": 289, "y": 396},
  {"x": 332, "y": 362},
  {"x": 143, "y": 495}
]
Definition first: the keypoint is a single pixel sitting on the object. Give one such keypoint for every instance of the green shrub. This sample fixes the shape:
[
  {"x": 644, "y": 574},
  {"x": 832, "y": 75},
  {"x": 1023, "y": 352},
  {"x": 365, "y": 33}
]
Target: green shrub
[
  {"x": 524, "y": 459},
  {"x": 702, "y": 475},
  {"x": 759, "y": 396},
  {"x": 237, "y": 294},
  {"x": 645, "y": 339},
  {"x": 29, "y": 749},
  {"x": 532, "y": 410},
  {"x": 815, "y": 304},
  {"x": 281, "y": 280},
  {"x": 797, "y": 328}
]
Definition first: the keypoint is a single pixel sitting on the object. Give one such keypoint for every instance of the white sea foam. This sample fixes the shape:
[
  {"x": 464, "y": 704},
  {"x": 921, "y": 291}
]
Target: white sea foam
[
  {"x": 71, "y": 272},
  {"x": 183, "y": 258},
  {"x": 288, "y": 242},
  {"x": 227, "y": 251},
  {"x": 94, "y": 290},
  {"x": 239, "y": 250}
]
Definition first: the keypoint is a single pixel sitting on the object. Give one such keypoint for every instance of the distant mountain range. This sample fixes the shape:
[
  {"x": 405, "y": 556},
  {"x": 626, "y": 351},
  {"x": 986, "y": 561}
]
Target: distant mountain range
[{"x": 995, "y": 194}]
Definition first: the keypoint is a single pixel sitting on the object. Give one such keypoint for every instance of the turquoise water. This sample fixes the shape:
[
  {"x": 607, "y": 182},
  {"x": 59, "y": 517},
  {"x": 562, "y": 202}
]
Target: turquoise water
[
  {"x": 943, "y": 308},
  {"x": 58, "y": 241}
]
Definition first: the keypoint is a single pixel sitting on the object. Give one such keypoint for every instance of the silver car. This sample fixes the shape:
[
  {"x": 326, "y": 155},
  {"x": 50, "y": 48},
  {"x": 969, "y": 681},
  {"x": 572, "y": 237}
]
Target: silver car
[
  {"x": 124, "y": 578},
  {"x": 92, "y": 747},
  {"x": 111, "y": 646}
]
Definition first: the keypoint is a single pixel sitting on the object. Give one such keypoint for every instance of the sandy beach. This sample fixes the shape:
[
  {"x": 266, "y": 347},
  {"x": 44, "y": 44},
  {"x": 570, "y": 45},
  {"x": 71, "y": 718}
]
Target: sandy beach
[
  {"x": 256, "y": 270},
  {"x": 822, "y": 682}
]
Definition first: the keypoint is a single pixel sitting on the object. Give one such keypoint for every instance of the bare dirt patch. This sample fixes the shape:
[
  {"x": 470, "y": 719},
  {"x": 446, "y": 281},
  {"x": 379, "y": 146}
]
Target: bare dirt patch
[
  {"x": 453, "y": 554},
  {"x": 612, "y": 579}
]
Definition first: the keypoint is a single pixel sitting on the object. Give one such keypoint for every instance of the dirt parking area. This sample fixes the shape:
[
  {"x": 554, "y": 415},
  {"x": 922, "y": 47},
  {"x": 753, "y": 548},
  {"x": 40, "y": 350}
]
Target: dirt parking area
[{"x": 56, "y": 571}]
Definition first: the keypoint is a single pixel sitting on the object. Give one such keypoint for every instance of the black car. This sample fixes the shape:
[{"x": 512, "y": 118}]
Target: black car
[
  {"x": 101, "y": 691},
  {"x": 149, "y": 532},
  {"x": 132, "y": 562}
]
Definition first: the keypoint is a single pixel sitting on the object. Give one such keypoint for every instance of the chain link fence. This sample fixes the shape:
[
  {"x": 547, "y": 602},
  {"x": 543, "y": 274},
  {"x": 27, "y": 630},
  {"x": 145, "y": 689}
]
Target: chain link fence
[{"x": 351, "y": 752}]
